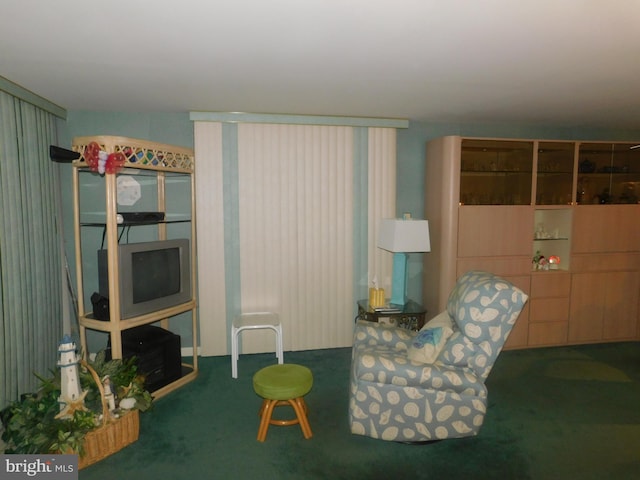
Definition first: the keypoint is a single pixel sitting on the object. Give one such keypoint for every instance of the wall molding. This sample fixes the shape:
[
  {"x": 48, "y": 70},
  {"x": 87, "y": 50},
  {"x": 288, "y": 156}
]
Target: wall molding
[
  {"x": 28, "y": 96},
  {"x": 240, "y": 117}
]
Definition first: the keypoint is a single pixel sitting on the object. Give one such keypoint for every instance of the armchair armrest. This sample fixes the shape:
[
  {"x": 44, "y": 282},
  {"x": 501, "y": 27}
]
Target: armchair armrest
[
  {"x": 444, "y": 377},
  {"x": 373, "y": 333}
]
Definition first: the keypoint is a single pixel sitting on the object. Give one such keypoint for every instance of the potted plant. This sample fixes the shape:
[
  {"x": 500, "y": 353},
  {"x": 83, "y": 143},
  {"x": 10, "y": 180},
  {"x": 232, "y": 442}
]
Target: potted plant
[{"x": 34, "y": 424}]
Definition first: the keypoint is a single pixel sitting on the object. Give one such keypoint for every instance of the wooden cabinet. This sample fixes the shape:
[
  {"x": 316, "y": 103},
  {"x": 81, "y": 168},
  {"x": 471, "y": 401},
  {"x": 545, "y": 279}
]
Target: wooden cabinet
[
  {"x": 519, "y": 336},
  {"x": 496, "y": 172},
  {"x": 554, "y": 173},
  {"x": 608, "y": 173},
  {"x": 604, "y": 306},
  {"x": 606, "y": 273},
  {"x": 494, "y": 231},
  {"x": 605, "y": 229},
  {"x": 549, "y": 308},
  {"x": 496, "y": 204},
  {"x": 148, "y": 201}
]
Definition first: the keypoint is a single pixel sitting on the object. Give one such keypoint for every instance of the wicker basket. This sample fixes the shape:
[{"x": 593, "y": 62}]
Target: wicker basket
[{"x": 113, "y": 435}]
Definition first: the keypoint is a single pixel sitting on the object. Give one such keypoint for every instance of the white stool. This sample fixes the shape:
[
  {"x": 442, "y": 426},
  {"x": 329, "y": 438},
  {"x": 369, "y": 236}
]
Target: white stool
[{"x": 254, "y": 321}]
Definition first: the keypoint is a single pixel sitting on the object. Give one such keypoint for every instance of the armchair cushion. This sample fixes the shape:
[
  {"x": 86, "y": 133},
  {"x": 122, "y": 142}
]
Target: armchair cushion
[
  {"x": 387, "y": 362},
  {"x": 430, "y": 340}
]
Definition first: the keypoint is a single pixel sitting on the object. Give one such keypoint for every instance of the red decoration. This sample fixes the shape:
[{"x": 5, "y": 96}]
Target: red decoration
[
  {"x": 91, "y": 154},
  {"x": 115, "y": 162},
  {"x": 102, "y": 163}
]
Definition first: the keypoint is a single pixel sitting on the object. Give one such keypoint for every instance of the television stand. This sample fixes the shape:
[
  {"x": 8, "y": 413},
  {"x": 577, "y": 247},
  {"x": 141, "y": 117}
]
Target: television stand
[{"x": 164, "y": 178}]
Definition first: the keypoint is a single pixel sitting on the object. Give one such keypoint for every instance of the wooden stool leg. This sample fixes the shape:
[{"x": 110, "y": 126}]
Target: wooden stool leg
[
  {"x": 300, "y": 408},
  {"x": 284, "y": 423},
  {"x": 265, "y": 412},
  {"x": 263, "y": 407}
]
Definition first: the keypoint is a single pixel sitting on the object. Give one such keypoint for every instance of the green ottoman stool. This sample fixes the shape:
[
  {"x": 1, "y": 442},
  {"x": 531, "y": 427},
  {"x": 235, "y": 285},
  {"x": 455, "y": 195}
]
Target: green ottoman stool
[{"x": 284, "y": 384}]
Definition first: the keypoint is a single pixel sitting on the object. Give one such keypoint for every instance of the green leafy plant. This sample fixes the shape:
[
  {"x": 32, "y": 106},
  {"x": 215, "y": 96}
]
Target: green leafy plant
[
  {"x": 124, "y": 376},
  {"x": 30, "y": 425}
]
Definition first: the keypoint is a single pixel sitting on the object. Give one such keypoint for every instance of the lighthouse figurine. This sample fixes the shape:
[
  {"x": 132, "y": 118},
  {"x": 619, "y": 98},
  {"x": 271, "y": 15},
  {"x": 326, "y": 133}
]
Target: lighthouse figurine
[{"x": 71, "y": 396}]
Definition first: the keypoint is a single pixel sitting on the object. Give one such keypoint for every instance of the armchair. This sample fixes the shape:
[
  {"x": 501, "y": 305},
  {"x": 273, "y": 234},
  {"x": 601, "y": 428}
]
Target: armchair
[{"x": 398, "y": 393}]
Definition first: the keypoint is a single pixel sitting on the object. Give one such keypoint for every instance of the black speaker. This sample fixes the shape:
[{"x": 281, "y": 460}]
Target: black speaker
[{"x": 62, "y": 155}]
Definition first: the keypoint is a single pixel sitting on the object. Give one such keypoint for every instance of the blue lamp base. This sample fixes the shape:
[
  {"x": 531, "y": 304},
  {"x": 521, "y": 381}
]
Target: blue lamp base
[{"x": 399, "y": 279}]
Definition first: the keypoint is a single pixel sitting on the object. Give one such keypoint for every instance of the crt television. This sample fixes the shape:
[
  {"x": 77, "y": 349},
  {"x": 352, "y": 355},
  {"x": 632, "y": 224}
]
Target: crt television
[{"x": 153, "y": 275}]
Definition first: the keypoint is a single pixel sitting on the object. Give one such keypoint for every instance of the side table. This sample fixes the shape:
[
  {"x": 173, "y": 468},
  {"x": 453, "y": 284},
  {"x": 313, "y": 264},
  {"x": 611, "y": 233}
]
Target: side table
[{"x": 411, "y": 315}]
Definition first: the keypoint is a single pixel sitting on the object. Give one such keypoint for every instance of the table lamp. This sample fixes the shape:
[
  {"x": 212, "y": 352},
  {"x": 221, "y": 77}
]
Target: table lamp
[{"x": 402, "y": 237}]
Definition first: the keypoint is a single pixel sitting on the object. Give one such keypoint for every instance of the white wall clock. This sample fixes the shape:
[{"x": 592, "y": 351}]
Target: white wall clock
[{"x": 128, "y": 190}]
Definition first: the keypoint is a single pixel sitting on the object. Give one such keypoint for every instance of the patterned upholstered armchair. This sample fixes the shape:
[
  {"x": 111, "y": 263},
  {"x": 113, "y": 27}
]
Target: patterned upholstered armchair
[{"x": 419, "y": 386}]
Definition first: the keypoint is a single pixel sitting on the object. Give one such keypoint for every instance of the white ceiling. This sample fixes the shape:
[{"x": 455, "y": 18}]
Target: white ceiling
[{"x": 554, "y": 62}]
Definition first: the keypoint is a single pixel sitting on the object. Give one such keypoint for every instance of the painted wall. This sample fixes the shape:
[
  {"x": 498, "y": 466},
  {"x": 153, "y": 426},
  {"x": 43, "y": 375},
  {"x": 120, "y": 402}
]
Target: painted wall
[{"x": 177, "y": 129}]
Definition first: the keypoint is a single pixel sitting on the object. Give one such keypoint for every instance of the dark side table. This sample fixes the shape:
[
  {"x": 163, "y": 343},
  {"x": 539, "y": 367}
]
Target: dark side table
[{"x": 411, "y": 315}]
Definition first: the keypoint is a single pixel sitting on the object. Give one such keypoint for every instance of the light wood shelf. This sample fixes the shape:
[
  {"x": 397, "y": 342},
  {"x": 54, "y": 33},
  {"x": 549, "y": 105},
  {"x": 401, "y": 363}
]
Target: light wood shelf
[{"x": 157, "y": 165}]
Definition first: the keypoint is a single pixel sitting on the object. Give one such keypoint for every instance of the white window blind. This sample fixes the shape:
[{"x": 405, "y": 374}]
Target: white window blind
[{"x": 289, "y": 213}]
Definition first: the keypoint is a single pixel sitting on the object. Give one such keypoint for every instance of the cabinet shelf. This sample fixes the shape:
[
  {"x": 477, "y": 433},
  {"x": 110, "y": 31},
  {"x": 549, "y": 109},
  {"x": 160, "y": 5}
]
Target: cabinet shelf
[
  {"x": 495, "y": 172},
  {"x": 549, "y": 272},
  {"x": 633, "y": 175},
  {"x": 135, "y": 224},
  {"x": 124, "y": 324}
]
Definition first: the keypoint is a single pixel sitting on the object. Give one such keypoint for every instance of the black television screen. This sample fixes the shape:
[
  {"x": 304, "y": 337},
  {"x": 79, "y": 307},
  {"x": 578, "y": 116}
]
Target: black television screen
[
  {"x": 152, "y": 276},
  {"x": 155, "y": 274}
]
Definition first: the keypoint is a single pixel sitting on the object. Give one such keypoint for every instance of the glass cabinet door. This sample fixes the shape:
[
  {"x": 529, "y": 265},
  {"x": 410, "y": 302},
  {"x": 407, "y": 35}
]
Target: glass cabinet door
[
  {"x": 496, "y": 172},
  {"x": 554, "y": 179},
  {"x": 608, "y": 173}
]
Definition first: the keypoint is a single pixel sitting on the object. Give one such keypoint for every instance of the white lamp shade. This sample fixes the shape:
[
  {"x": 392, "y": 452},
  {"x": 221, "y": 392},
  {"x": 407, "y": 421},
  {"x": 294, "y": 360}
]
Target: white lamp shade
[{"x": 406, "y": 236}]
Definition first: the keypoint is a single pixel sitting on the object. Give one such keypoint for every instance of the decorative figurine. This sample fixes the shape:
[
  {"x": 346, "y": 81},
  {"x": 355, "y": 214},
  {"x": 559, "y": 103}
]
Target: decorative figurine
[
  {"x": 540, "y": 262},
  {"x": 109, "y": 394}
]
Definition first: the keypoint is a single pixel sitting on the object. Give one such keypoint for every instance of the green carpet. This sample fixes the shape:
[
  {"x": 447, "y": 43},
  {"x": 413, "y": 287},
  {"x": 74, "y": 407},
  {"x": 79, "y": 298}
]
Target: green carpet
[{"x": 554, "y": 413}]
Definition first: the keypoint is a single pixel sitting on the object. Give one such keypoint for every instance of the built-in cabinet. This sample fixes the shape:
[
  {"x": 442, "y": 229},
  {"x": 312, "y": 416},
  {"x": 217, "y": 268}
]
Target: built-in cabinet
[
  {"x": 148, "y": 197},
  {"x": 548, "y": 308},
  {"x": 606, "y": 273},
  {"x": 557, "y": 218}
]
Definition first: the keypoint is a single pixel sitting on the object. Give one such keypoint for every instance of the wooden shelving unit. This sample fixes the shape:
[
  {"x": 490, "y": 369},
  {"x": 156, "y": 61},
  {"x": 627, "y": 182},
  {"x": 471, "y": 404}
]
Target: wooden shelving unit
[
  {"x": 163, "y": 170},
  {"x": 494, "y": 204}
]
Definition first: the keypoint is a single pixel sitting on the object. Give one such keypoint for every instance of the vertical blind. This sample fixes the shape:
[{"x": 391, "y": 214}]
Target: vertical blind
[
  {"x": 296, "y": 223},
  {"x": 30, "y": 264},
  {"x": 292, "y": 208}
]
